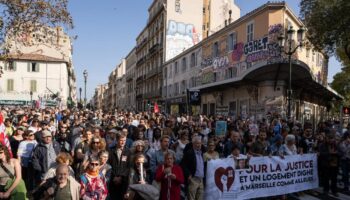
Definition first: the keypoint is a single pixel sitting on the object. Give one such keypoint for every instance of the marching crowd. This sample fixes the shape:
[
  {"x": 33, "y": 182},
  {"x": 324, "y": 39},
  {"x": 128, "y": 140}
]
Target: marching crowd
[{"x": 82, "y": 154}]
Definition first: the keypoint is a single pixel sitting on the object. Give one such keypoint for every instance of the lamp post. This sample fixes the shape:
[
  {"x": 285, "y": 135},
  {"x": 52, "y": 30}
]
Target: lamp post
[
  {"x": 80, "y": 94},
  {"x": 290, "y": 51},
  {"x": 85, "y": 73},
  {"x": 31, "y": 98}
]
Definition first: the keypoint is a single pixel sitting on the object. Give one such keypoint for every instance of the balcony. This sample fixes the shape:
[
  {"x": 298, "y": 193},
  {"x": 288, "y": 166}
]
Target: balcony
[
  {"x": 153, "y": 49},
  {"x": 153, "y": 94},
  {"x": 140, "y": 78},
  {"x": 142, "y": 44},
  {"x": 153, "y": 72},
  {"x": 141, "y": 61}
]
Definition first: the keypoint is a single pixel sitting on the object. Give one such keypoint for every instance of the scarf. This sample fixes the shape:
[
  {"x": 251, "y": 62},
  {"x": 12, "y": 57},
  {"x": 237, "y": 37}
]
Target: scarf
[{"x": 92, "y": 174}]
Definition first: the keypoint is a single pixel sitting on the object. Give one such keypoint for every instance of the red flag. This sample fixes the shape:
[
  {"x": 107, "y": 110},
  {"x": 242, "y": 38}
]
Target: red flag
[
  {"x": 4, "y": 140},
  {"x": 156, "y": 108}
]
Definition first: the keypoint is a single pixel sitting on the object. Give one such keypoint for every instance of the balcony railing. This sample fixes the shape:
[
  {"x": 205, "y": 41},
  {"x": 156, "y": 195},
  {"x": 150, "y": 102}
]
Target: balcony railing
[{"x": 153, "y": 49}]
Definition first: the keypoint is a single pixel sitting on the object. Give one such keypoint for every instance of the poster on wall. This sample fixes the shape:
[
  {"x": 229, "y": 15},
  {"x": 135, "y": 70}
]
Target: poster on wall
[{"x": 263, "y": 177}]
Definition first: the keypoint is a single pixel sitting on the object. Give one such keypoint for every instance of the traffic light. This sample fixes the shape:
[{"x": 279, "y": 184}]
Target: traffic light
[{"x": 346, "y": 110}]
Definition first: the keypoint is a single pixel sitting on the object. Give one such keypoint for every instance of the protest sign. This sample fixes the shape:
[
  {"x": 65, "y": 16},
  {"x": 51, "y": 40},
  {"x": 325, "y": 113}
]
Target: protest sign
[
  {"x": 220, "y": 127},
  {"x": 265, "y": 177}
]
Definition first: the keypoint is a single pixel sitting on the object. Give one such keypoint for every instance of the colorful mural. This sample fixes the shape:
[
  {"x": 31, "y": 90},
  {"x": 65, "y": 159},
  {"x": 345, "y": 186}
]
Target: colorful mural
[{"x": 180, "y": 36}]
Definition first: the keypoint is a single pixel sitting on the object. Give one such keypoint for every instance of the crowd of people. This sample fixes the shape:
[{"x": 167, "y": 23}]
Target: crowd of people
[{"x": 82, "y": 154}]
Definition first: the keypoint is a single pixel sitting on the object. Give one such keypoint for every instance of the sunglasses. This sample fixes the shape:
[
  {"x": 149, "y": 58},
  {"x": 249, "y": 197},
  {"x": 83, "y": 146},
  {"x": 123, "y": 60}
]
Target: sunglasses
[
  {"x": 95, "y": 142},
  {"x": 94, "y": 164}
]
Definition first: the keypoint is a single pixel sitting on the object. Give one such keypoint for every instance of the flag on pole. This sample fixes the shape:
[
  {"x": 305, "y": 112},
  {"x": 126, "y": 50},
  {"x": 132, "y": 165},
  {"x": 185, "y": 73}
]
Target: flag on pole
[
  {"x": 4, "y": 140},
  {"x": 156, "y": 108}
]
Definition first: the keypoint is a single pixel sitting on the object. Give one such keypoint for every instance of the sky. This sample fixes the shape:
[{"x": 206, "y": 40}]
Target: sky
[{"x": 106, "y": 32}]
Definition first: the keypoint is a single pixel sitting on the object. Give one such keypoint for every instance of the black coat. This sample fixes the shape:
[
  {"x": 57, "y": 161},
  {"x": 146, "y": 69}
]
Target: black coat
[
  {"x": 120, "y": 166},
  {"x": 189, "y": 163},
  {"x": 40, "y": 157}
]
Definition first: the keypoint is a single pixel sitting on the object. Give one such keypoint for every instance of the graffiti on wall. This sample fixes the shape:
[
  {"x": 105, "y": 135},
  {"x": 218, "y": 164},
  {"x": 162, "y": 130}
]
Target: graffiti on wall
[{"x": 180, "y": 36}]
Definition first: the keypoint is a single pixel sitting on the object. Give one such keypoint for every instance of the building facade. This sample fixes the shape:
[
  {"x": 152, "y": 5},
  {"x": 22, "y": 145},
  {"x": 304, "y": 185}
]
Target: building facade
[
  {"x": 179, "y": 75},
  {"x": 30, "y": 77},
  {"x": 245, "y": 73},
  {"x": 172, "y": 27},
  {"x": 130, "y": 78},
  {"x": 100, "y": 91},
  {"x": 50, "y": 42}
]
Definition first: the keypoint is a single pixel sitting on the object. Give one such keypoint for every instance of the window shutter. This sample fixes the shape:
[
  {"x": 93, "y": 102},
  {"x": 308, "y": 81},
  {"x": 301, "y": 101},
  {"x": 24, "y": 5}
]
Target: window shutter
[
  {"x": 28, "y": 67},
  {"x": 14, "y": 64},
  {"x": 37, "y": 67},
  {"x": 6, "y": 66}
]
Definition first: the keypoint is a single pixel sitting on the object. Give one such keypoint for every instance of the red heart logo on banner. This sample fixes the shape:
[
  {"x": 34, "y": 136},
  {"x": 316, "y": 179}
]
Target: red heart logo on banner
[{"x": 229, "y": 172}]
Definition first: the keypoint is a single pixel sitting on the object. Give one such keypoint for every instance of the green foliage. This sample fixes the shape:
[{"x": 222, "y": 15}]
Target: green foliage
[
  {"x": 328, "y": 23},
  {"x": 22, "y": 17}
]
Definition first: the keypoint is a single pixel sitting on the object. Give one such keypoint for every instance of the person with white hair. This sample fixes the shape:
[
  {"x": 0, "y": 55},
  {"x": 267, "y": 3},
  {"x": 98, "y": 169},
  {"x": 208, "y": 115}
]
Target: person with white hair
[
  {"x": 193, "y": 168},
  {"x": 289, "y": 147}
]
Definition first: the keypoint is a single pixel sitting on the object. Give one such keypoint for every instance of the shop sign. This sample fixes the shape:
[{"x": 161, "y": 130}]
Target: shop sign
[
  {"x": 13, "y": 102},
  {"x": 222, "y": 110}
]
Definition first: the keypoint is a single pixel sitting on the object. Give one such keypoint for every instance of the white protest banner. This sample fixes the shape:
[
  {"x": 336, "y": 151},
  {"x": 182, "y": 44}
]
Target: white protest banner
[{"x": 266, "y": 176}]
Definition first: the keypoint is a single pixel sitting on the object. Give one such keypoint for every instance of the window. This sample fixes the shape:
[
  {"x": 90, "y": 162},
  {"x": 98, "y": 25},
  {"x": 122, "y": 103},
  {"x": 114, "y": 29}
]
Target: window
[
  {"x": 232, "y": 108},
  {"x": 205, "y": 109},
  {"x": 184, "y": 64},
  {"x": 216, "y": 49},
  {"x": 33, "y": 85},
  {"x": 170, "y": 71},
  {"x": 203, "y": 10},
  {"x": 33, "y": 67},
  {"x": 10, "y": 85},
  {"x": 193, "y": 82},
  {"x": 176, "y": 68},
  {"x": 193, "y": 60},
  {"x": 10, "y": 66},
  {"x": 176, "y": 89},
  {"x": 183, "y": 86},
  {"x": 232, "y": 41},
  {"x": 212, "y": 109},
  {"x": 250, "y": 32},
  {"x": 203, "y": 27}
]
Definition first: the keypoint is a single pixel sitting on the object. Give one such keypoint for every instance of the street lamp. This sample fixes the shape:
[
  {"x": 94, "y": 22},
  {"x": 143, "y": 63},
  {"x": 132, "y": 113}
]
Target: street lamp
[
  {"x": 288, "y": 42},
  {"x": 85, "y": 73},
  {"x": 31, "y": 98},
  {"x": 80, "y": 94}
]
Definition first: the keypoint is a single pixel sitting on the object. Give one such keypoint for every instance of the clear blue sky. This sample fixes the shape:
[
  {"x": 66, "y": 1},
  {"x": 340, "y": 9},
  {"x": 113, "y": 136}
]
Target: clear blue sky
[{"x": 107, "y": 31}]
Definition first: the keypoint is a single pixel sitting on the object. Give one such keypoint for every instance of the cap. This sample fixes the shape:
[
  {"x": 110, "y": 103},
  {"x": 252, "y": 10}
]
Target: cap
[{"x": 46, "y": 133}]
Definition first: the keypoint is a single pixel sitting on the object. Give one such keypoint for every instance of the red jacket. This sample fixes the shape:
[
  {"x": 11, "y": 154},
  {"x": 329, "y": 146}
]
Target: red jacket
[{"x": 175, "y": 189}]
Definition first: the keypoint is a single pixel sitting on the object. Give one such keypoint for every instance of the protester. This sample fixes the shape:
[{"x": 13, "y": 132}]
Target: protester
[
  {"x": 44, "y": 155},
  {"x": 344, "y": 152},
  {"x": 92, "y": 182},
  {"x": 11, "y": 184},
  {"x": 137, "y": 175},
  {"x": 329, "y": 155},
  {"x": 24, "y": 155},
  {"x": 119, "y": 159},
  {"x": 193, "y": 168},
  {"x": 62, "y": 158},
  {"x": 60, "y": 187},
  {"x": 105, "y": 168}
]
